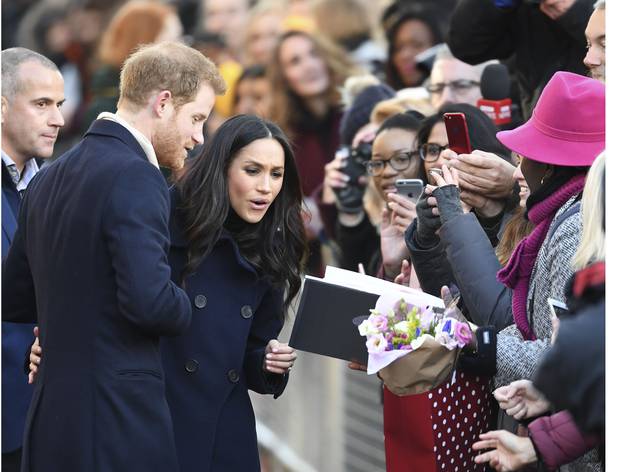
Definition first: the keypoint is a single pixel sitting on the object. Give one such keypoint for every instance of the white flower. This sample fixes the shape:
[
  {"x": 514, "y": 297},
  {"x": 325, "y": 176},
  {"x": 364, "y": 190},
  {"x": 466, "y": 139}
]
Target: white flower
[
  {"x": 367, "y": 329},
  {"x": 402, "y": 327},
  {"x": 376, "y": 343}
]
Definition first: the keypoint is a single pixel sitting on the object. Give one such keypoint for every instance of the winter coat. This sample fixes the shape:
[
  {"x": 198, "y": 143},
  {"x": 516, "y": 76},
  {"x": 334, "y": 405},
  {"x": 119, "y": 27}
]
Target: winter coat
[
  {"x": 480, "y": 31},
  {"x": 572, "y": 373},
  {"x": 89, "y": 265},
  {"x": 558, "y": 440},
  {"x": 516, "y": 358},
  {"x": 211, "y": 367}
]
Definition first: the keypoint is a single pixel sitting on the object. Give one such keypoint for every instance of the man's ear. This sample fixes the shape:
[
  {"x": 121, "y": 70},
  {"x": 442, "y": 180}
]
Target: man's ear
[
  {"x": 163, "y": 101},
  {"x": 5, "y": 108}
]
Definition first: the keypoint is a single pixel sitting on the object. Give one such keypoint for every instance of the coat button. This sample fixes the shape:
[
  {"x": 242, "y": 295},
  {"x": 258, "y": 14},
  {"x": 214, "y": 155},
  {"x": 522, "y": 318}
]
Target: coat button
[
  {"x": 246, "y": 311},
  {"x": 200, "y": 301},
  {"x": 191, "y": 366},
  {"x": 233, "y": 376}
]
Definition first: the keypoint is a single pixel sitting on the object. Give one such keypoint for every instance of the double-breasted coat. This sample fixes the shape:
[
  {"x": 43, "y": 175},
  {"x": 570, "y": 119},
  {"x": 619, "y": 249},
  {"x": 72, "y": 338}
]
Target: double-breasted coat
[
  {"x": 210, "y": 368},
  {"x": 89, "y": 265}
]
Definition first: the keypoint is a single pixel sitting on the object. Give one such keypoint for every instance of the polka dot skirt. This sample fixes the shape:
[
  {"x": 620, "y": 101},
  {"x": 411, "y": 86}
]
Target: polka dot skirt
[{"x": 435, "y": 431}]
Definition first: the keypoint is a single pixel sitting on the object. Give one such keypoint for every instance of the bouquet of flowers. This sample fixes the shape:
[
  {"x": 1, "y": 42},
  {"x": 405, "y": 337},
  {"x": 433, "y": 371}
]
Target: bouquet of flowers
[{"x": 413, "y": 348}]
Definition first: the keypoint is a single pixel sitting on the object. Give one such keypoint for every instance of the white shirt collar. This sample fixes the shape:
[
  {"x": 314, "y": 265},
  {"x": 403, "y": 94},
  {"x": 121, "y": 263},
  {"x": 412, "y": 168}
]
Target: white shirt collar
[
  {"x": 145, "y": 144},
  {"x": 27, "y": 173}
]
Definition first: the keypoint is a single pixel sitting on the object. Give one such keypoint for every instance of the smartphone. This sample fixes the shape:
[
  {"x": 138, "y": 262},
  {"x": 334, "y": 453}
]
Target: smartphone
[
  {"x": 457, "y": 133},
  {"x": 558, "y": 308},
  {"x": 410, "y": 188}
]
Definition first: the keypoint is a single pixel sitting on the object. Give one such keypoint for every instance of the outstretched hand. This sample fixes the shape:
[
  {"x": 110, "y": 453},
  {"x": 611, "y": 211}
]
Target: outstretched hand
[
  {"x": 509, "y": 451},
  {"x": 521, "y": 400}
]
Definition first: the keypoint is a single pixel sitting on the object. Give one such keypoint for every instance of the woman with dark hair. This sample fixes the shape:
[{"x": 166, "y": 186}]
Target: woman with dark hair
[
  {"x": 393, "y": 157},
  {"x": 427, "y": 250},
  {"x": 237, "y": 248},
  {"x": 409, "y": 31}
]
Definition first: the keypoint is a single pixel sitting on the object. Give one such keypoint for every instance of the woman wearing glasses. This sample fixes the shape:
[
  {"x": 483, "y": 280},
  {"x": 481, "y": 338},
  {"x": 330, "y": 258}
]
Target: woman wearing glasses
[
  {"x": 427, "y": 253},
  {"x": 432, "y": 431},
  {"x": 393, "y": 157}
]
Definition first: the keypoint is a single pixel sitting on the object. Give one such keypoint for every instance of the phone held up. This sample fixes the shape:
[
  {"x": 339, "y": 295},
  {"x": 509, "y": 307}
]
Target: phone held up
[
  {"x": 457, "y": 133},
  {"x": 410, "y": 188}
]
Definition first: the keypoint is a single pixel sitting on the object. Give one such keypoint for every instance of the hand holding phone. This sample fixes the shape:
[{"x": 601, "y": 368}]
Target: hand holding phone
[
  {"x": 410, "y": 188},
  {"x": 457, "y": 133}
]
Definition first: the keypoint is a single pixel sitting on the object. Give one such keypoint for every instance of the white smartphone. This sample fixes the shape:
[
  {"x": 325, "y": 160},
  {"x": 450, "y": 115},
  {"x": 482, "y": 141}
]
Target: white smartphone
[
  {"x": 558, "y": 309},
  {"x": 410, "y": 188}
]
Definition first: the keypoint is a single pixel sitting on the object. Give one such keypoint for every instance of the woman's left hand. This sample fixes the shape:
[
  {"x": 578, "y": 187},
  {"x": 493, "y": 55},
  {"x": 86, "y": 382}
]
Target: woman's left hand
[{"x": 279, "y": 358}]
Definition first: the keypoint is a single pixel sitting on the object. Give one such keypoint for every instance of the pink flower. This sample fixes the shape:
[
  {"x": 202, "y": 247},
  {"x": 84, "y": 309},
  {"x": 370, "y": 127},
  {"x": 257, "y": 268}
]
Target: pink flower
[
  {"x": 463, "y": 334},
  {"x": 376, "y": 343},
  {"x": 379, "y": 322}
]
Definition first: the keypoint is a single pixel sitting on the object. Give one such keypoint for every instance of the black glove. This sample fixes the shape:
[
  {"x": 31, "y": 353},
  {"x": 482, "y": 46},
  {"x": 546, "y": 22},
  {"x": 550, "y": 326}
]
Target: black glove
[
  {"x": 350, "y": 198},
  {"x": 427, "y": 225},
  {"x": 448, "y": 202}
]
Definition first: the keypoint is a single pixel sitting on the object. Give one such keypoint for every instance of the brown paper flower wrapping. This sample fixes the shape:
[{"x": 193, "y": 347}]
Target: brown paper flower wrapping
[{"x": 421, "y": 370}]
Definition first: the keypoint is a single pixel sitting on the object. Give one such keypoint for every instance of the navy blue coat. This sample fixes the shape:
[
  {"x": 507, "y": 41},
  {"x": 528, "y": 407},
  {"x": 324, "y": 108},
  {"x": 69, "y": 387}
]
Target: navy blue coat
[
  {"x": 210, "y": 367},
  {"x": 16, "y": 338},
  {"x": 89, "y": 264}
]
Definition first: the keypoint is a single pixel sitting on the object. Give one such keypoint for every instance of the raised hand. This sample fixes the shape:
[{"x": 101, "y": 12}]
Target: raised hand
[
  {"x": 392, "y": 246},
  {"x": 521, "y": 400},
  {"x": 484, "y": 173}
]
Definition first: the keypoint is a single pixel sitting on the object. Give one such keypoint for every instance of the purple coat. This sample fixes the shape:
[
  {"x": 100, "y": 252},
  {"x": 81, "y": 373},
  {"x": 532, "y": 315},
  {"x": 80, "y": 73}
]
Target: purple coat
[{"x": 558, "y": 440}]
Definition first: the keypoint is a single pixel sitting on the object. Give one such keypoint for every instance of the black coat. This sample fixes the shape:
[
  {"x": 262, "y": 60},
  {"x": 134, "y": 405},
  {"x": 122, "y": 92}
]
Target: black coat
[
  {"x": 359, "y": 244},
  {"x": 16, "y": 338},
  {"x": 89, "y": 265},
  {"x": 572, "y": 373},
  {"x": 210, "y": 368},
  {"x": 479, "y": 32}
]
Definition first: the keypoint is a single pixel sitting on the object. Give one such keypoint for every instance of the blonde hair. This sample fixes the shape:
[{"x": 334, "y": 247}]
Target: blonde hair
[
  {"x": 592, "y": 245},
  {"x": 354, "y": 85},
  {"x": 341, "y": 20},
  {"x": 169, "y": 65},
  {"x": 393, "y": 106},
  {"x": 137, "y": 22}
]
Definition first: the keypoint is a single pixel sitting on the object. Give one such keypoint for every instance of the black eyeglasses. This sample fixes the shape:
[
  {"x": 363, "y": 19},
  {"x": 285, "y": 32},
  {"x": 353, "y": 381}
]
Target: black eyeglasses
[
  {"x": 456, "y": 86},
  {"x": 398, "y": 162},
  {"x": 429, "y": 152}
]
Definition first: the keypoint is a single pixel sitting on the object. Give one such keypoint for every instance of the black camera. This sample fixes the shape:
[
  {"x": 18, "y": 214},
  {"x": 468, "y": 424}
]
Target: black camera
[{"x": 350, "y": 198}]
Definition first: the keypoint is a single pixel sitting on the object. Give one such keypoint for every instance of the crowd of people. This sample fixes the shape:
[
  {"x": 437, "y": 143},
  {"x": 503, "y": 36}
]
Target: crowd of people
[{"x": 172, "y": 169}]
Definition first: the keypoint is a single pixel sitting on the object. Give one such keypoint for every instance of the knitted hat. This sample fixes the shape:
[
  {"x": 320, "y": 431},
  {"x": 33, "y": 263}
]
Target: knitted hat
[{"x": 359, "y": 113}]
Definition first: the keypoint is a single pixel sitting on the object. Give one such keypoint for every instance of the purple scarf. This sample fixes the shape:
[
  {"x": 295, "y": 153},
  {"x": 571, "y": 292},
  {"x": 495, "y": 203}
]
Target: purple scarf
[{"x": 517, "y": 272}]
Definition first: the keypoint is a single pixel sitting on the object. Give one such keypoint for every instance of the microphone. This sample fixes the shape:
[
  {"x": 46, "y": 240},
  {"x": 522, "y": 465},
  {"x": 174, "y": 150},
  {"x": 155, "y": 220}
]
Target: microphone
[{"x": 495, "y": 89}]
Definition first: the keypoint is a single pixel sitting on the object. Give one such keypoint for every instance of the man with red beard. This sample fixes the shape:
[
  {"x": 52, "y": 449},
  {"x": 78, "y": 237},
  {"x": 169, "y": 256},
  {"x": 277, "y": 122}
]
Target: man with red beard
[{"x": 89, "y": 265}]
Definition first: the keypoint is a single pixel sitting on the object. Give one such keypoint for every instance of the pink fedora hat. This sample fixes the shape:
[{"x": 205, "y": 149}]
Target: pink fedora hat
[{"x": 567, "y": 126}]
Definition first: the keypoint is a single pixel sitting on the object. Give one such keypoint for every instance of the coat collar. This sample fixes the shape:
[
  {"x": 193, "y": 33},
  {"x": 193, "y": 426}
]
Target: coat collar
[
  {"x": 178, "y": 238},
  {"x": 115, "y": 130}
]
